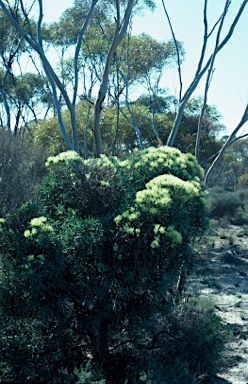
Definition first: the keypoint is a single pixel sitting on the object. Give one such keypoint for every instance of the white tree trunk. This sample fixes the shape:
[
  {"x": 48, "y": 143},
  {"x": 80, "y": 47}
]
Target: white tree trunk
[{"x": 201, "y": 71}]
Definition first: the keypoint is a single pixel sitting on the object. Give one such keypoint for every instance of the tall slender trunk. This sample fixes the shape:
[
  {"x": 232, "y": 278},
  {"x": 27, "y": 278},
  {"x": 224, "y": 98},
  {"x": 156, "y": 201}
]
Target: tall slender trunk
[
  {"x": 120, "y": 31},
  {"x": 202, "y": 70},
  {"x": 97, "y": 128}
]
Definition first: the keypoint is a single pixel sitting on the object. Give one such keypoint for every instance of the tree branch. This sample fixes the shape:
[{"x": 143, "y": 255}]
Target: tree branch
[
  {"x": 177, "y": 50},
  {"x": 199, "y": 75},
  {"x": 78, "y": 46},
  {"x": 209, "y": 78},
  {"x": 120, "y": 31},
  {"x": 228, "y": 142}
]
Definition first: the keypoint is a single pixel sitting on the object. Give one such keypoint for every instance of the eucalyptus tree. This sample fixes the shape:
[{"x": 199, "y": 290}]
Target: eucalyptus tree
[
  {"x": 205, "y": 63},
  {"x": 121, "y": 12},
  {"x": 139, "y": 64},
  {"x": 23, "y": 95},
  {"x": 147, "y": 61},
  {"x": 11, "y": 47},
  {"x": 29, "y": 99}
]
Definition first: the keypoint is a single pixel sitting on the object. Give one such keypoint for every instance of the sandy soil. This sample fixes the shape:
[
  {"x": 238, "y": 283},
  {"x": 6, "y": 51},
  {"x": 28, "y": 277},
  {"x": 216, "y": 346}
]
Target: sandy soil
[{"x": 222, "y": 274}]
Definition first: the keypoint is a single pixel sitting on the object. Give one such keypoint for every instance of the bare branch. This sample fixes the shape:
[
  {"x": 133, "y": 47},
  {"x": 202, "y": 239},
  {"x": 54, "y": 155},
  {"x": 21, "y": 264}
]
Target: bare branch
[
  {"x": 227, "y": 5},
  {"x": 199, "y": 75},
  {"x": 78, "y": 46},
  {"x": 177, "y": 50},
  {"x": 239, "y": 138},
  {"x": 208, "y": 80},
  {"x": 17, "y": 26},
  {"x": 215, "y": 25},
  {"x": 25, "y": 14},
  {"x": 205, "y": 38},
  {"x": 228, "y": 142}
]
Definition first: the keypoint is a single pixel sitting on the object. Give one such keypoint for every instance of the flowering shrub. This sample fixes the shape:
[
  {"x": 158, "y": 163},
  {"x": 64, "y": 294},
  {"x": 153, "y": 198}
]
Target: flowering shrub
[{"x": 92, "y": 271}]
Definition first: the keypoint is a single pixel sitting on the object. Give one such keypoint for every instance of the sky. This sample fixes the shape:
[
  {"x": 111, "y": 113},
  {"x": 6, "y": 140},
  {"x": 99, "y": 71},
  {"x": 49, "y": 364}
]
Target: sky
[{"x": 229, "y": 85}]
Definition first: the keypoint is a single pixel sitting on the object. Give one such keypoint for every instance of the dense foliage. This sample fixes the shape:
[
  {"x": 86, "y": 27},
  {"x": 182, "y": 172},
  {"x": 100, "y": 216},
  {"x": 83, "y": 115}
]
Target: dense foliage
[
  {"x": 89, "y": 275},
  {"x": 121, "y": 139},
  {"x": 232, "y": 172},
  {"x": 93, "y": 264}
]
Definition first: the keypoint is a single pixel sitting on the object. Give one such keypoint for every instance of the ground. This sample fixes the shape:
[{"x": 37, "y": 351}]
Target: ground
[{"x": 221, "y": 273}]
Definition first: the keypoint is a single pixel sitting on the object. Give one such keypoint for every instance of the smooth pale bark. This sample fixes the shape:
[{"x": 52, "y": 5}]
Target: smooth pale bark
[
  {"x": 210, "y": 72},
  {"x": 205, "y": 39},
  {"x": 6, "y": 107},
  {"x": 5, "y": 102},
  {"x": 120, "y": 31},
  {"x": 177, "y": 49},
  {"x": 153, "y": 92},
  {"x": 36, "y": 44},
  {"x": 78, "y": 46},
  {"x": 135, "y": 125},
  {"x": 159, "y": 141},
  {"x": 201, "y": 71},
  {"x": 228, "y": 142},
  {"x": 117, "y": 103}
]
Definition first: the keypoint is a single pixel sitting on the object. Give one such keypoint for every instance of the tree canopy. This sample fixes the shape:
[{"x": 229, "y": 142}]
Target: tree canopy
[{"x": 102, "y": 63}]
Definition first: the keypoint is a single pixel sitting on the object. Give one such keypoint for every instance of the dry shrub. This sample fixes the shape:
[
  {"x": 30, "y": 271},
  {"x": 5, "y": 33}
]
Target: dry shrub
[
  {"x": 21, "y": 170},
  {"x": 223, "y": 203}
]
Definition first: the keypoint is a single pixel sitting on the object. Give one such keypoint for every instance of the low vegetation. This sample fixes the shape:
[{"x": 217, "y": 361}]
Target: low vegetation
[
  {"x": 22, "y": 166},
  {"x": 90, "y": 271}
]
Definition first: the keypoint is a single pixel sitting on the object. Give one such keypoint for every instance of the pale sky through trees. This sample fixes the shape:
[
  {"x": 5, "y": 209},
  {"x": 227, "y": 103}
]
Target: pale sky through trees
[{"x": 229, "y": 87}]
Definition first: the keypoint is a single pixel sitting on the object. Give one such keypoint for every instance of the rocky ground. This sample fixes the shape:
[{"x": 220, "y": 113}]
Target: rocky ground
[{"x": 222, "y": 275}]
